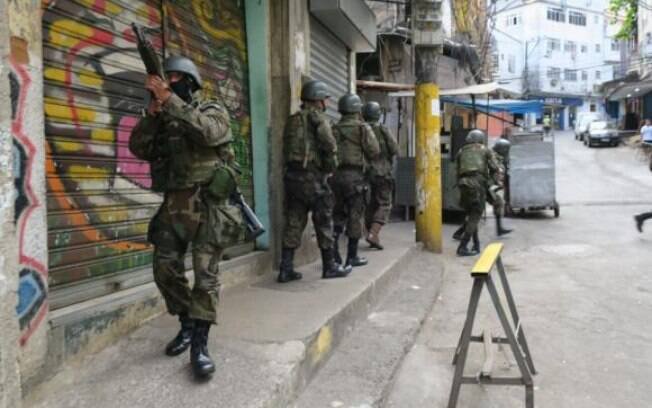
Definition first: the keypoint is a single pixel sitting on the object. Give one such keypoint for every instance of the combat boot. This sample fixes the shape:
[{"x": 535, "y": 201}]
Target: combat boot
[
  {"x": 476, "y": 243},
  {"x": 462, "y": 249},
  {"x": 331, "y": 269},
  {"x": 286, "y": 272},
  {"x": 500, "y": 230},
  {"x": 459, "y": 233},
  {"x": 200, "y": 360},
  {"x": 373, "y": 236},
  {"x": 352, "y": 258},
  {"x": 182, "y": 341}
]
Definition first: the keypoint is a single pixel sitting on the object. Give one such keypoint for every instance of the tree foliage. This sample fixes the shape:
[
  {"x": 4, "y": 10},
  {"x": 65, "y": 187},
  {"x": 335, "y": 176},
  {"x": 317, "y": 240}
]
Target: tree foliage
[{"x": 628, "y": 9}]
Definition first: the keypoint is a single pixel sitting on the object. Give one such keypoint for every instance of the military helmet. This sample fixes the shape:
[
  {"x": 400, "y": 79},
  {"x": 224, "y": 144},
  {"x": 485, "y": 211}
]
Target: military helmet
[
  {"x": 371, "y": 111},
  {"x": 350, "y": 103},
  {"x": 184, "y": 65},
  {"x": 502, "y": 146},
  {"x": 314, "y": 91},
  {"x": 475, "y": 136}
]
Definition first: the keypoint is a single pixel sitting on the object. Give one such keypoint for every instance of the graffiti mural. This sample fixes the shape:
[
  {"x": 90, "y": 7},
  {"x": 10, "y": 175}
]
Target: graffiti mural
[
  {"x": 99, "y": 204},
  {"x": 32, "y": 295},
  {"x": 213, "y": 34}
]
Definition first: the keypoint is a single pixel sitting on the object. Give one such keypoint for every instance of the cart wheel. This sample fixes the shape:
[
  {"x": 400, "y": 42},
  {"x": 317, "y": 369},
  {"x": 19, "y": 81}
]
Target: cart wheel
[{"x": 556, "y": 210}]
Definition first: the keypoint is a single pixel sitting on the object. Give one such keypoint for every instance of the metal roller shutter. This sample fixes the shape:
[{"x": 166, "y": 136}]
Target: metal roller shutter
[
  {"x": 98, "y": 200},
  {"x": 329, "y": 62},
  {"x": 99, "y": 203},
  {"x": 212, "y": 34}
]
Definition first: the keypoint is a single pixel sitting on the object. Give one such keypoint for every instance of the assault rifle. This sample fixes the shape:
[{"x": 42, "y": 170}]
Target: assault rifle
[
  {"x": 255, "y": 228},
  {"x": 147, "y": 52}
]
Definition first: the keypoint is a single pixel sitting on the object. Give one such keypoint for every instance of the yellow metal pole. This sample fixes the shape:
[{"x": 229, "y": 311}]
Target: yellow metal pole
[{"x": 428, "y": 167}]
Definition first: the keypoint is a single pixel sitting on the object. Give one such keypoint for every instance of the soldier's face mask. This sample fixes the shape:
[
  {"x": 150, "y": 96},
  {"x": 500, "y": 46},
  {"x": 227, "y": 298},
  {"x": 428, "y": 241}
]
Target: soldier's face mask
[{"x": 183, "y": 88}]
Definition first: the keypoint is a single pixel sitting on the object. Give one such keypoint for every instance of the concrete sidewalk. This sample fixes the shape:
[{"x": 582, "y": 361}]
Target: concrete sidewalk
[{"x": 270, "y": 341}]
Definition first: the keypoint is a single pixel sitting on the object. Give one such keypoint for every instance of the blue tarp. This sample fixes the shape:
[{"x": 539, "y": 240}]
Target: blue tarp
[{"x": 498, "y": 105}]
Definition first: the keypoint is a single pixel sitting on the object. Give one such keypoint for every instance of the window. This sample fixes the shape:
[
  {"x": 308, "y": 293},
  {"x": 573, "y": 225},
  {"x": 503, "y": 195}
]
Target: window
[
  {"x": 585, "y": 75},
  {"x": 570, "y": 75},
  {"x": 648, "y": 38},
  {"x": 554, "y": 44},
  {"x": 615, "y": 45},
  {"x": 511, "y": 64},
  {"x": 596, "y": 19},
  {"x": 513, "y": 20},
  {"x": 570, "y": 46},
  {"x": 598, "y": 74},
  {"x": 597, "y": 48},
  {"x": 556, "y": 14},
  {"x": 584, "y": 49},
  {"x": 553, "y": 73},
  {"x": 577, "y": 18}
]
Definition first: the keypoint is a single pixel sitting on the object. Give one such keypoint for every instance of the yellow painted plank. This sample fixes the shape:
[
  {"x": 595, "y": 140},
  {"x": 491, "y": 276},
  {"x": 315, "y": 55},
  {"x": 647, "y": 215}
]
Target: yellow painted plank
[{"x": 487, "y": 259}]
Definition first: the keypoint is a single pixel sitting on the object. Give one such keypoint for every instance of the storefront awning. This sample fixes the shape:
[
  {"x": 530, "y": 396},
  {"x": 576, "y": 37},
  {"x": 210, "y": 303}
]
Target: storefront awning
[
  {"x": 352, "y": 21},
  {"x": 631, "y": 90},
  {"x": 512, "y": 106},
  {"x": 481, "y": 89}
]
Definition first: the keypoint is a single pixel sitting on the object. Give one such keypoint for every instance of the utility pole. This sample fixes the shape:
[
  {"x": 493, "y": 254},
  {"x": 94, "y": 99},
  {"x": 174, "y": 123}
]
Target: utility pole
[{"x": 427, "y": 40}]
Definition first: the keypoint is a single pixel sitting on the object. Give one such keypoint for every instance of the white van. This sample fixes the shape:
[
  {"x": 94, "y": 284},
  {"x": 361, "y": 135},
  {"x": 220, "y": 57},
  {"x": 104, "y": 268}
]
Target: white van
[{"x": 582, "y": 123}]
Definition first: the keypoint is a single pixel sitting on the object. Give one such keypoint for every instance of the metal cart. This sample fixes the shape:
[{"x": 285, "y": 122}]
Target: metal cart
[{"x": 531, "y": 180}]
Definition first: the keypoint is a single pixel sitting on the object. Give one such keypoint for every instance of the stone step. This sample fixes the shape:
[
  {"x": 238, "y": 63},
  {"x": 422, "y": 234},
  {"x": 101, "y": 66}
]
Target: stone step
[{"x": 270, "y": 341}]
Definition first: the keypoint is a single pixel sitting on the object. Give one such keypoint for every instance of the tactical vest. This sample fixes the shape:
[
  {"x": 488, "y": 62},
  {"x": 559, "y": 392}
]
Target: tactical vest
[
  {"x": 349, "y": 144},
  {"x": 472, "y": 159},
  {"x": 182, "y": 164},
  {"x": 299, "y": 141}
]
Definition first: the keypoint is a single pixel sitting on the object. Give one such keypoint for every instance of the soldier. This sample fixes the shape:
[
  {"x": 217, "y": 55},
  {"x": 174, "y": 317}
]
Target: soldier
[
  {"x": 310, "y": 155},
  {"x": 357, "y": 146},
  {"x": 496, "y": 191},
  {"x": 185, "y": 139},
  {"x": 474, "y": 166},
  {"x": 380, "y": 176}
]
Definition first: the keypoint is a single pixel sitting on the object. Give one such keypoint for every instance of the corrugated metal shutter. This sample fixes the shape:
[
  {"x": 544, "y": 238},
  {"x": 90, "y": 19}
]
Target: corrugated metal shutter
[
  {"x": 329, "y": 62},
  {"x": 99, "y": 204},
  {"x": 98, "y": 200},
  {"x": 213, "y": 35}
]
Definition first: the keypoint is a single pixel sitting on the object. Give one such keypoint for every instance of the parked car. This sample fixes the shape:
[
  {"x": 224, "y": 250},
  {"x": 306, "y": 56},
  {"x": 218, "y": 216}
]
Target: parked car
[
  {"x": 602, "y": 132},
  {"x": 583, "y": 122}
]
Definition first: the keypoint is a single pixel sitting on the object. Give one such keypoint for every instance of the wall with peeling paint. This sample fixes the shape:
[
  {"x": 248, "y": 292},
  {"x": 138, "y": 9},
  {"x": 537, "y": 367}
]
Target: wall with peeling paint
[{"x": 25, "y": 84}]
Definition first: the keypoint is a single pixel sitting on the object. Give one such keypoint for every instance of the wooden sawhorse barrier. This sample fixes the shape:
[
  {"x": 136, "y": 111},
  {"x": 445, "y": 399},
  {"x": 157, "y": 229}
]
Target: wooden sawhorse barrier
[{"x": 481, "y": 274}]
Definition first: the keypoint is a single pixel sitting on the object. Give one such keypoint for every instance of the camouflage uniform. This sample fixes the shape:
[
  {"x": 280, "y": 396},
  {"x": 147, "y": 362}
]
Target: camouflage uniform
[
  {"x": 308, "y": 161},
  {"x": 380, "y": 177},
  {"x": 475, "y": 164},
  {"x": 496, "y": 190},
  {"x": 357, "y": 146},
  {"x": 184, "y": 145}
]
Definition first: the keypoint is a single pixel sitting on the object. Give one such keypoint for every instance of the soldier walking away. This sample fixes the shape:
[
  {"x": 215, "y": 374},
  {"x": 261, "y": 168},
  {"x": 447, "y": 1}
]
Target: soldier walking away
[
  {"x": 357, "y": 147},
  {"x": 379, "y": 174},
  {"x": 474, "y": 166},
  {"x": 546, "y": 125},
  {"x": 310, "y": 157},
  {"x": 186, "y": 139},
  {"x": 496, "y": 190}
]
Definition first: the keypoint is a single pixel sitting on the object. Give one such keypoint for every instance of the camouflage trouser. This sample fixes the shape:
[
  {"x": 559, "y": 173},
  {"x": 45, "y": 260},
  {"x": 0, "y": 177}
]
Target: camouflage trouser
[
  {"x": 496, "y": 197},
  {"x": 380, "y": 204},
  {"x": 180, "y": 222},
  {"x": 473, "y": 200},
  {"x": 307, "y": 191},
  {"x": 349, "y": 187}
]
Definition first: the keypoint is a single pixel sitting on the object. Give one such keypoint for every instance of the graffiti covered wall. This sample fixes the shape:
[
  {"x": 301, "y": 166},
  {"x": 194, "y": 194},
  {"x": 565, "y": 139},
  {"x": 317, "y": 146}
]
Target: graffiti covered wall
[
  {"x": 24, "y": 82},
  {"x": 99, "y": 204}
]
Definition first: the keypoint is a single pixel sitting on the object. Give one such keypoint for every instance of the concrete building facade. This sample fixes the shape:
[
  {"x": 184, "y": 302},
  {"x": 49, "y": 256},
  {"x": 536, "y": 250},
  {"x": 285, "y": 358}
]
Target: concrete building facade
[{"x": 557, "y": 51}]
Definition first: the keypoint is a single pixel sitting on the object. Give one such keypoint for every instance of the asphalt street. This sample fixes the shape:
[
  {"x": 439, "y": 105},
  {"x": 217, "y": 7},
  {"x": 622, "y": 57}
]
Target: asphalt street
[{"x": 583, "y": 286}]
